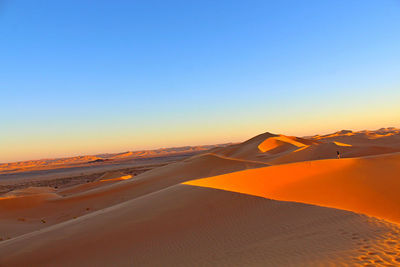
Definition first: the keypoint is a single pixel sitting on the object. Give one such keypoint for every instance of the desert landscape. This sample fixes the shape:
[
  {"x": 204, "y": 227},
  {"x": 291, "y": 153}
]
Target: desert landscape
[
  {"x": 200, "y": 133},
  {"x": 273, "y": 200}
]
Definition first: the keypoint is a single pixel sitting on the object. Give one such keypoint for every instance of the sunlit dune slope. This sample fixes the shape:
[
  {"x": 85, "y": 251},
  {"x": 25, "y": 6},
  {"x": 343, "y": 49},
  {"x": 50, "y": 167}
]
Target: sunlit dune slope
[
  {"x": 340, "y": 144},
  {"x": 86, "y": 198},
  {"x": 369, "y": 185},
  {"x": 264, "y": 147},
  {"x": 279, "y": 143},
  {"x": 122, "y": 155},
  {"x": 114, "y": 176},
  {"x": 187, "y": 226}
]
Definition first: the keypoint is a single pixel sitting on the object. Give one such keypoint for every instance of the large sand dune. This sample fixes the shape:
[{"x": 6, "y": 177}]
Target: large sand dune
[
  {"x": 187, "y": 226},
  {"x": 216, "y": 209},
  {"x": 83, "y": 199}
]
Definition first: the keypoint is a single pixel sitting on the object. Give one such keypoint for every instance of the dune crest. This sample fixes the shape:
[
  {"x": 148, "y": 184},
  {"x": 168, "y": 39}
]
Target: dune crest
[
  {"x": 340, "y": 144},
  {"x": 276, "y": 142}
]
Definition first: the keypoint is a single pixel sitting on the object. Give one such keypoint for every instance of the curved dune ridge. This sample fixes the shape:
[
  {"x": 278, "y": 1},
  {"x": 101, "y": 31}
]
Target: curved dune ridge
[
  {"x": 365, "y": 185},
  {"x": 340, "y": 144},
  {"x": 273, "y": 143}
]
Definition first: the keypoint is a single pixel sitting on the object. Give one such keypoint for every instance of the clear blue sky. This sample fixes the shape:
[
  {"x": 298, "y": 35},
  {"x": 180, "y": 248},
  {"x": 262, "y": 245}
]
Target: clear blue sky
[{"x": 81, "y": 77}]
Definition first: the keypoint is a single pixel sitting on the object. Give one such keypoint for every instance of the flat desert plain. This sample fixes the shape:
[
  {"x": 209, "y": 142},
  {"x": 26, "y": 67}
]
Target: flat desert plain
[{"x": 273, "y": 200}]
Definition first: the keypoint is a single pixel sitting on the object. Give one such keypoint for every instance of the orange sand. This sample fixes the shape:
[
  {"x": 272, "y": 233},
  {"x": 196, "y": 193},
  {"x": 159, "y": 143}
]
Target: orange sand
[
  {"x": 155, "y": 220},
  {"x": 186, "y": 226},
  {"x": 364, "y": 185}
]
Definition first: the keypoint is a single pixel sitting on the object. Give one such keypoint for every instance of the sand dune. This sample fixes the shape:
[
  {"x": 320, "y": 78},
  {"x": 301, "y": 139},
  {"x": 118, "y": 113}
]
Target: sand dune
[
  {"x": 86, "y": 198},
  {"x": 189, "y": 226},
  {"x": 280, "y": 149},
  {"x": 222, "y": 214},
  {"x": 264, "y": 147},
  {"x": 278, "y": 144},
  {"x": 106, "y": 179},
  {"x": 382, "y": 137},
  {"x": 368, "y": 185},
  {"x": 89, "y": 160},
  {"x": 26, "y": 198}
]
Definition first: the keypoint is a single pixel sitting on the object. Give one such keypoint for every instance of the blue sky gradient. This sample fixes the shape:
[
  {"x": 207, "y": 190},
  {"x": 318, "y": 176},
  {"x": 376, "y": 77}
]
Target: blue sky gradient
[{"x": 82, "y": 77}]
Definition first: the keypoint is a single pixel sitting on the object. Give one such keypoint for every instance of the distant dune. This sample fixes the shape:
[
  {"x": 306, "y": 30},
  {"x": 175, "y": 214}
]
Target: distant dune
[
  {"x": 273, "y": 200},
  {"x": 85, "y": 160},
  {"x": 279, "y": 149}
]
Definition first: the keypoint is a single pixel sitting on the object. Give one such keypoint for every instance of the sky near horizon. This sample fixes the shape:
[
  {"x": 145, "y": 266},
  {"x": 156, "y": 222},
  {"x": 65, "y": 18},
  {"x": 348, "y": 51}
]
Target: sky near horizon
[{"x": 86, "y": 77}]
